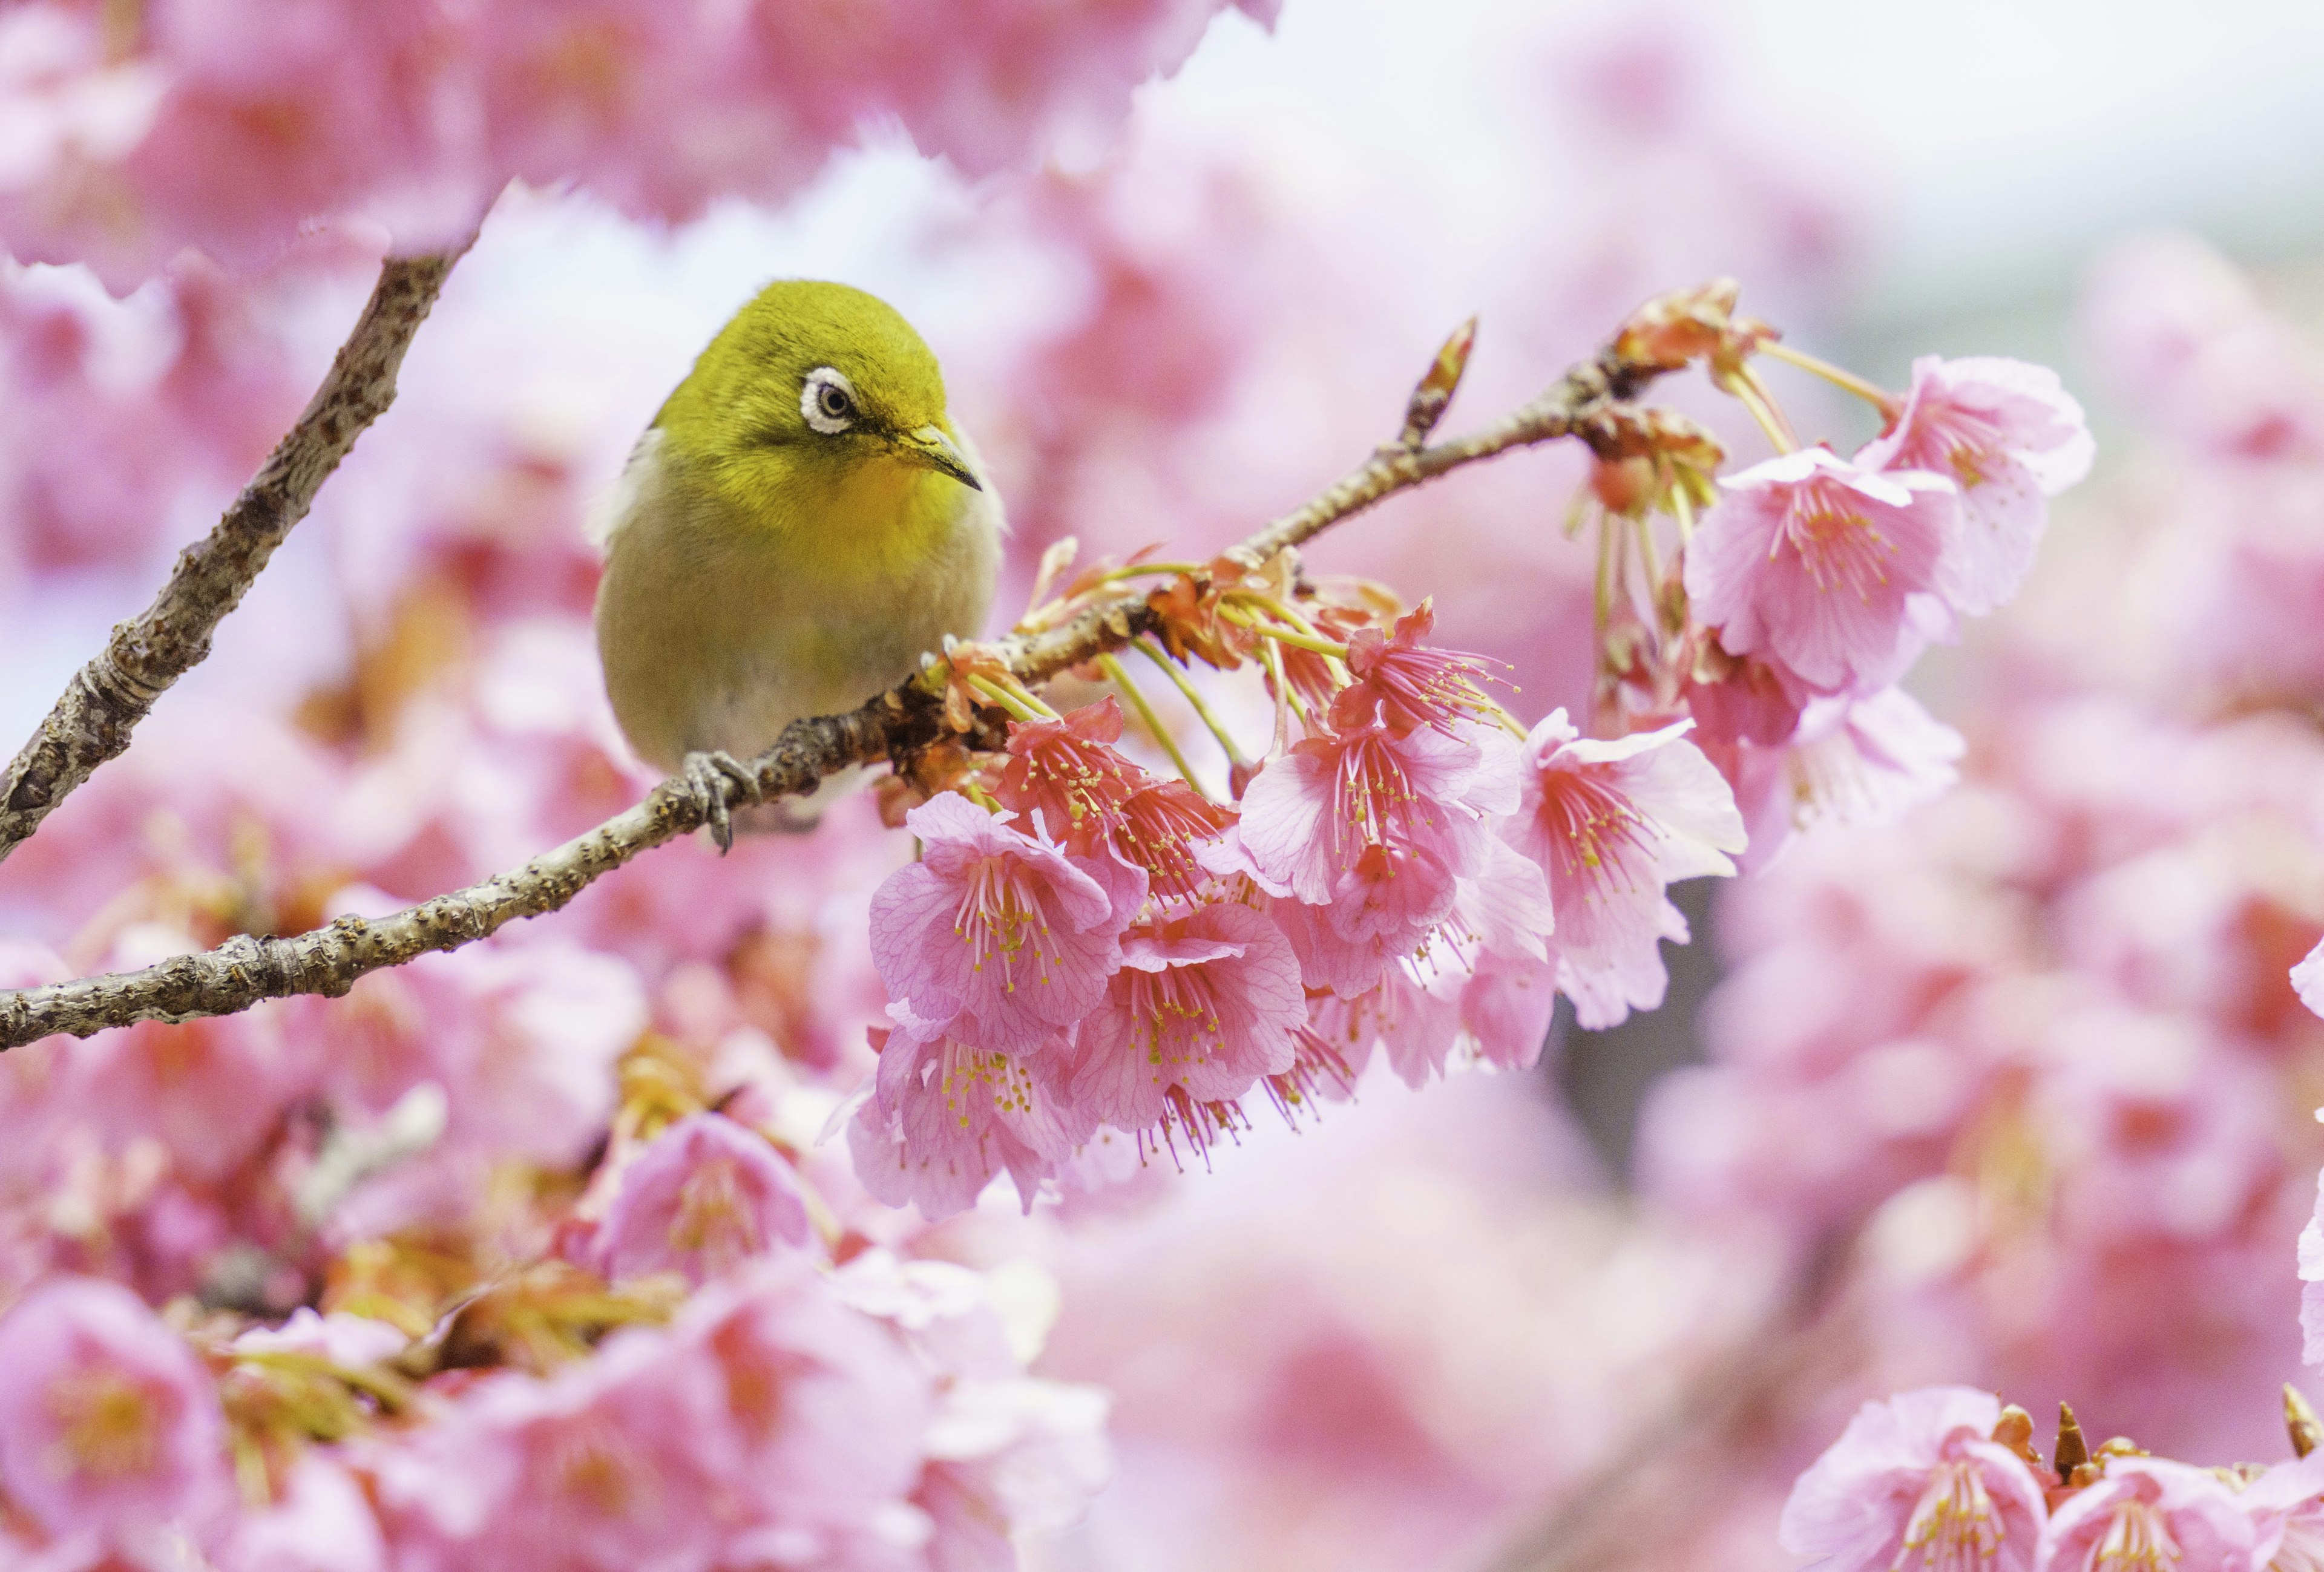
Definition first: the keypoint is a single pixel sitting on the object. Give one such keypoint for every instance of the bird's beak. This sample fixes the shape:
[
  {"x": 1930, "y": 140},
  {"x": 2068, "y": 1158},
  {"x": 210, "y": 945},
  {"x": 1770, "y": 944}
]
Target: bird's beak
[{"x": 930, "y": 448}]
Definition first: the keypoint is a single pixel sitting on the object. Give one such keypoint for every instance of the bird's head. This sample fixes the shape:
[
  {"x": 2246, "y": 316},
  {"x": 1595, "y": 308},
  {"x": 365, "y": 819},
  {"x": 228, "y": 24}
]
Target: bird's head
[{"x": 818, "y": 386}]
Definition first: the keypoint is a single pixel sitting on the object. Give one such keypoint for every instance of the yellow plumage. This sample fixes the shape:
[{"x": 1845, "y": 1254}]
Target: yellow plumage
[{"x": 801, "y": 521}]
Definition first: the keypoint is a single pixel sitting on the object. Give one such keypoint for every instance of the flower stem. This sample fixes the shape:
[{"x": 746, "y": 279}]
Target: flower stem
[
  {"x": 1111, "y": 664},
  {"x": 1681, "y": 509},
  {"x": 1282, "y": 634},
  {"x": 1152, "y": 652},
  {"x": 996, "y": 695},
  {"x": 1137, "y": 569},
  {"x": 1284, "y": 692},
  {"x": 1872, "y": 393},
  {"x": 1753, "y": 397}
]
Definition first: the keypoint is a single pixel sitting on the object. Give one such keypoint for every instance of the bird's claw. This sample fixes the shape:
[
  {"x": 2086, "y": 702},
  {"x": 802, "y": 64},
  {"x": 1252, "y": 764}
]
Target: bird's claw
[{"x": 707, "y": 776}]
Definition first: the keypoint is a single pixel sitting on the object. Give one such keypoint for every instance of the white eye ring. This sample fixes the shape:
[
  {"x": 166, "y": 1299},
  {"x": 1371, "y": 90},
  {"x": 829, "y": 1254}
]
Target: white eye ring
[{"x": 827, "y": 401}]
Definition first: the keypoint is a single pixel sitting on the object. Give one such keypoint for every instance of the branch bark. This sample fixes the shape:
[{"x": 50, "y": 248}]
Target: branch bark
[
  {"x": 1590, "y": 402},
  {"x": 108, "y": 696}
]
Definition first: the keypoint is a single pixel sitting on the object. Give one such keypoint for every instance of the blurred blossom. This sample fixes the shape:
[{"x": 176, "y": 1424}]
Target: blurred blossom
[
  {"x": 1919, "y": 1481},
  {"x": 110, "y": 1433},
  {"x": 2006, "y": 1028},
  {"x": 705, "y": 1197},
  {"x": 226, "y": 128}
]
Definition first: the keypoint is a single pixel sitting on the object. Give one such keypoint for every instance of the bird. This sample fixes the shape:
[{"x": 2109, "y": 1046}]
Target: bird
[{"x": 801, "y": 522}]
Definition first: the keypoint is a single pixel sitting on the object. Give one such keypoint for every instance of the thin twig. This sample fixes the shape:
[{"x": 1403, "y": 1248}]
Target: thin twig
[
  {"x": 145, "y": 655},
  {"x": 1589, "y": 403}
]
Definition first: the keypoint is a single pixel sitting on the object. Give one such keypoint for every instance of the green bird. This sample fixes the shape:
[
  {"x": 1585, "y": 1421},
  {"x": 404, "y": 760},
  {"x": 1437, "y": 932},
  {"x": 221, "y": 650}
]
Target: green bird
[{"x": 800, "y": 523}]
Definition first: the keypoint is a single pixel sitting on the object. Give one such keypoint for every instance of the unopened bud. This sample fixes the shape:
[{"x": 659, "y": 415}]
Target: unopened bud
[
  {"x": 2072, "y": 1451},
  {"x": 1436, "y": 387},
  {"x": 1624, "y": 485},
  {"x": 2015, "y": 1430}
]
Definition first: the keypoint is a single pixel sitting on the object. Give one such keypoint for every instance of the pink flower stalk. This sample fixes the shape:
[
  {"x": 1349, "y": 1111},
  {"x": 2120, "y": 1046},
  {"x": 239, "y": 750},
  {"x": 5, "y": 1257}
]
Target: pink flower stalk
[
  {"x": 947, "y": 1115},
  {"x": 2009, "y": 436},
  {"x": 705, "y": 1197},
  {"x": 1311, "y": 815},
  {"x": 1824, "y": 569},
  {"x": 1917, "y": 1484},
  {"x": 2150, "y": 1515},
  {"x": 1001, "y": 933},
  {"x": 1204, "y": 1005},
  {"x": 1404, "y": 684},
  {"x": 1612, "y": 824},
  {"x": 108, "y": 1423}
]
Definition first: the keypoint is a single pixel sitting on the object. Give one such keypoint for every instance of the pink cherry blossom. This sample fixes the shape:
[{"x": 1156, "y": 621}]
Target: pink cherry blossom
[
  {"x": 1866, "y": 760},
  {"x": 621, "y": 1460},
  {"x": 2312, "y": 1284},
  {"x": 1824, "y": 569},
  {"x": 1203, "y": 1007},
  {"x": 523, "y": 1036},
  {"x": 1416, "y": 1024},
  {"x": 1612, "y": 824},
  {"x": 1382, "y": 909},
  {"x": 1917, "y": 1484},
  {"x": 108, "y": 1423},
  {"x": 2150, "y": 1515},
  {"x": 209, "y": 1090},
  {"x": 705, "y": 1197},
  {"x": 830, "y": 1408},
  {"x": 321, "y": 1522},
  {"x": 2286, "y": 1506},
  {"x": 1311, "y": 815},
  {"x": 947, "y": 1115},
  {"x": 1404, "y": 683},
  {"x": 342, "y": 1338},
  {"x": 1066, "y": 775},
  {"x": 2009, "y": 436},
  {"x": 1506, "y": 1007},
  {"x": 2308, "y": 979},
  {"x": 1163, "y": 828},
  {"x": 1000, "y": 933}
]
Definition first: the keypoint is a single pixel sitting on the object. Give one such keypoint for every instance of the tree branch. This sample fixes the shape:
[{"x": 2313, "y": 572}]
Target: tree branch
[
  {"x": 108, "y": 696},
  {"x": 1590, "y": 402}
]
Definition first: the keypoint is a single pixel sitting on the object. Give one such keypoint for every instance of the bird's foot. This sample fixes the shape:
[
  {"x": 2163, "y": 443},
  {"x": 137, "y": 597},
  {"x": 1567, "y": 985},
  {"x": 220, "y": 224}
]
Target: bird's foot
[{"x": 707, "y": 776}]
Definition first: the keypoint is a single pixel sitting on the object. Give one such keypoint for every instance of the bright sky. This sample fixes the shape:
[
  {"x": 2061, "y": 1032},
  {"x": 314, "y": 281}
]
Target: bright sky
[{"x": 1998, "y": 140}]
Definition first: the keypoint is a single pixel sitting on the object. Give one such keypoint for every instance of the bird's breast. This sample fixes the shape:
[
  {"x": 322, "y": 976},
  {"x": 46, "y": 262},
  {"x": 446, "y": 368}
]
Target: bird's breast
[{"x": 721, "y": 621}]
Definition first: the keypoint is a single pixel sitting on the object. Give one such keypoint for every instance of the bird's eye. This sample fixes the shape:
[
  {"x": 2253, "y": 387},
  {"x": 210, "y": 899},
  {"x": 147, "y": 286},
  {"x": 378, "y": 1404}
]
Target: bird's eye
[{"x": 827, "y": 401}]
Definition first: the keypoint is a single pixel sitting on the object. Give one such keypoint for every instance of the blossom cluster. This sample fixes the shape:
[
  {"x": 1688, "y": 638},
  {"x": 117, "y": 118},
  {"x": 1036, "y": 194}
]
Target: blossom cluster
[
  {"x": 874, "y": 1417},
  {"x": 2039, "y": 1059},
  {"x": 1082, "y": 947},
  {"x": 1100, "y": 947},
  {"x": 135, "y": 133},
  {"x": 1948, "y": 1477},
  {"x": 535, "y": 1253}
]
